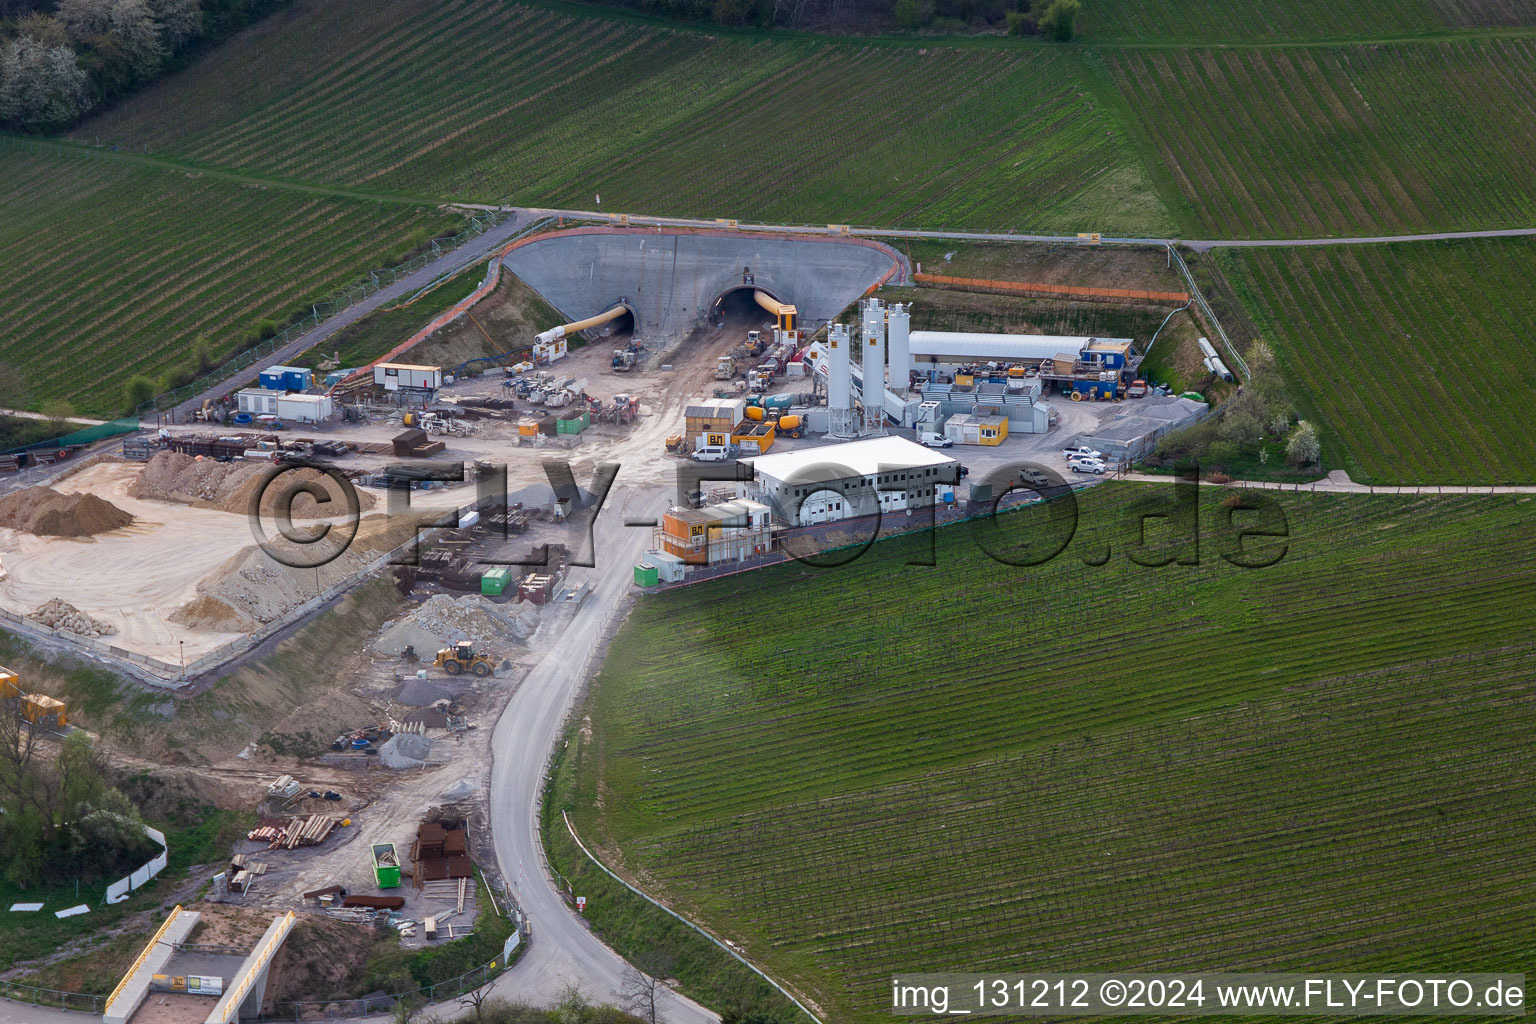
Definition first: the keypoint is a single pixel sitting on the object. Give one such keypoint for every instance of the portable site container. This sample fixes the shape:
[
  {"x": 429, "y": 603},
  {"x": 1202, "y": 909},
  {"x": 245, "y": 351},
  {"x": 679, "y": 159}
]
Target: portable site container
[
  {"x": 285, "y": 378},
  {"x": 646, "y": 575},
  {"x": 527, "y": 427},
  {"x": 304, "y": 408},
  {"x": 386, "y": 865},
  {"x": 257, "y": 401},
  {"x": 394, "y": 376},
  {"x": 495, "y": 582}
]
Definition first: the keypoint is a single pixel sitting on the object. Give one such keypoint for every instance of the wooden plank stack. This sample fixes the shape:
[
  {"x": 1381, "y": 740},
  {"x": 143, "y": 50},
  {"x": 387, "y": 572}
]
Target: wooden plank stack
[{"x": 309, "y": 830}]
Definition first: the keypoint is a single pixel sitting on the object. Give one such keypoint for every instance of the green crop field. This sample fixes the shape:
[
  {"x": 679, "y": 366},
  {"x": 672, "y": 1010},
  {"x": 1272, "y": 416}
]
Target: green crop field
[
  {"x": 885, "y": 768},
  {"x": 477, "y": 100},
  {"x": 114, "y": 267},
  {"x": 1248, "y": 21},
  {"x": 1415, "y": 357},
  {"x": 1362, "y": 140}
]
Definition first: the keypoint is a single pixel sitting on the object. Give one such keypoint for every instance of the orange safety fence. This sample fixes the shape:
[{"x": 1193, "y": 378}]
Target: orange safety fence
[{"x": 1054, "y": 290}]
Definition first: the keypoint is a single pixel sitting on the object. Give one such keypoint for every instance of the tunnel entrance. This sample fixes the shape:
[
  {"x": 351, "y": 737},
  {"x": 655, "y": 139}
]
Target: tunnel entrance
[{"x": 736, "y": 308}]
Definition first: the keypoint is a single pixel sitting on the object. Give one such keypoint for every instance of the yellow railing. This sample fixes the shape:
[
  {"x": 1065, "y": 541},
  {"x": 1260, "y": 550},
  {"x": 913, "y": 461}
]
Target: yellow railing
[
  {"x": 265, "y": 953},
  {"x": 144, "y": 955}
]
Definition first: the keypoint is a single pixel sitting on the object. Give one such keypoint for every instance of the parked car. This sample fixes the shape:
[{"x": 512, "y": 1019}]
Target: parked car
[
  {"x": 1094, "y": 466},
  {"x": 932, "y": 440},
  {"x": 1082, "y": 450},
  {"x": 1033, "y": 478},
  {"x": 711, "y": 453}
]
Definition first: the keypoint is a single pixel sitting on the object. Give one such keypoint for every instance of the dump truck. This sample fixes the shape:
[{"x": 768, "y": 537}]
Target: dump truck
[
  {"x": 725, "y": 369},
  {"x": 462, "y": 657}
]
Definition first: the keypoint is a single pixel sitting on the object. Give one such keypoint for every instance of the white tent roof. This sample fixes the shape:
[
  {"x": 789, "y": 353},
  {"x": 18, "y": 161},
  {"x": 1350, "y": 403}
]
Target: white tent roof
[
  {"x": 864, "y": 458},
  {"x": 960, "y": 346}
]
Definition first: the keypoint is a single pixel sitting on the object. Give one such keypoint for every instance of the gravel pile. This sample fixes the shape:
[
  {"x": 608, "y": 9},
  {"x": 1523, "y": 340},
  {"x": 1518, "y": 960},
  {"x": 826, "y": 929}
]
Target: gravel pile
[
  {"x": 57, "y": 614},
  {"x": 405, "y": 750}
]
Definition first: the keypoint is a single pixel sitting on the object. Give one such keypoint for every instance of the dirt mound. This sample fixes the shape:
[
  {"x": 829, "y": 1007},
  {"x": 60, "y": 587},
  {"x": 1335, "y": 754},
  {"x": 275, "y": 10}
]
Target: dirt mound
[
  {"x": 252, "y": 588},
  {"x": 231, "y": 486},
  {"x": 50, "y": 513},
  {"x": 56, "y": 614},
  {"x": 210, "y": 613},
  {"x": 442, "y": 619}
]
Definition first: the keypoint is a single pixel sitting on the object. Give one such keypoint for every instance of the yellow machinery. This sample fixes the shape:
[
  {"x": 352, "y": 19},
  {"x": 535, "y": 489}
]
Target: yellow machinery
[
  {"x": 10, "y": 684},
  {"x": 463, "y": 658}
]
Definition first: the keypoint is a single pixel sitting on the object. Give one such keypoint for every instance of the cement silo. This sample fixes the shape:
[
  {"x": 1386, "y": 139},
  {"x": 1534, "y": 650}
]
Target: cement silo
[
  {"x": 840, "y": 382},
  {"x": 872, "y": 365},
  {"x": 898, "y": 343}
]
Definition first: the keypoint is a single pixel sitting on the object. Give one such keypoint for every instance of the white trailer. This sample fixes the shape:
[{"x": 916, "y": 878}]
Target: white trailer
[
  {"x": 394, "y": 376},
  {"x": 304, "y": 408}
]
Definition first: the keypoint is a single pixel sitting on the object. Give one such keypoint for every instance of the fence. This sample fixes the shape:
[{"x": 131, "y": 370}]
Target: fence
[
  {"x": 323, "y": 311},
  {"x": 118, "y": 891},
  {"x": 743, "y": 960},
  {"x": 52, "y": 997},
  {"x": 334, "y": 1009},
  {"x": 126, "y": 425},
  {"x": 1209, "y": 314}
]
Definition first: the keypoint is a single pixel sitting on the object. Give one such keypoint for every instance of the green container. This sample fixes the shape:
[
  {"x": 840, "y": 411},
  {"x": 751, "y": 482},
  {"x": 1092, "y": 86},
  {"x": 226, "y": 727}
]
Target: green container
[
  {"x": 646, "y": 575},
  {"x": 495, "y": 582},
  {"x": 573, "y": 424},
  {"x": 386, "y": 866}
]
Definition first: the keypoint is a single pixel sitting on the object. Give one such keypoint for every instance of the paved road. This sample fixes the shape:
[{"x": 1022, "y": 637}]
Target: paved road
[
  {"x": 1199, "y": 245},
  {"x": 468, "y": 253},
  {"x": 563, "y": 950},
  {"x": 1338, "y": 482}
]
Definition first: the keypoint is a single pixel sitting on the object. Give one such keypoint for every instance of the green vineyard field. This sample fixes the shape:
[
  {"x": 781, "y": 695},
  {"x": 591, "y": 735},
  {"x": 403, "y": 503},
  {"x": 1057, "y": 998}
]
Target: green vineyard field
[
  {"x": 1361, "y": 140},
  {"x": 1415, "y": 357},
  {"x": 116, "y": 268},
  {"x": 1250, "y": 21},
  {"x": 859, "y": 772},
  {"x": 485, "y": 101}
]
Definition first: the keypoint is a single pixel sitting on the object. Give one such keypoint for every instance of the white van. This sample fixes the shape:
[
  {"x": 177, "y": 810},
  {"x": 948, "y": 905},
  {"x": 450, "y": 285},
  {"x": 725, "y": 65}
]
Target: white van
[
  {"x": 932, "y": 440},
  {"x": 711, "y": 453}
]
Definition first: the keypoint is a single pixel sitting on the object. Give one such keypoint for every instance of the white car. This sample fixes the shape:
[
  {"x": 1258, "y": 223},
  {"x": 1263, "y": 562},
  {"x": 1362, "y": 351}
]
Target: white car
[
  {"x": 1083, "y": 451},
  {"x": 1094, "y": 466},
  {"x": 932, "y": 440},
  {"x": 711, "y": 453}
]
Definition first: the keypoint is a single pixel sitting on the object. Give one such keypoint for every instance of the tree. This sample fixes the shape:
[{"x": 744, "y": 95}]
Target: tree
[
  {"x": 641, "y": 990},
  {"x": 132, "y": 23},
  {"x": 1021, "y": 23},
  {"x": 58, "y": 412},
  {"x": 137, "y": 391},
  {"x": 1059, "y": 19},
  {"x": 908, "y": 15},
  {"x": 180, "y": 21},
  {"x": 42, "y": 87},
  {"x": 85, "y": 18},
  {"x": 45, "y": 28},
  {"x": 1304, "y": 448}
]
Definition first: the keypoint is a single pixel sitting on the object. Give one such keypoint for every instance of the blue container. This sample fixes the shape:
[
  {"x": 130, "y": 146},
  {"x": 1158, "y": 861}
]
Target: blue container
[
  {"x": 242, "y": 417},
  {"x": 285, "y": 378}
]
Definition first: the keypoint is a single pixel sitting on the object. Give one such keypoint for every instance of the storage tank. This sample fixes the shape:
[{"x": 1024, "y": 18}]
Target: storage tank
[
  {"x": 1206, "y": 348},
  {"x": 839, "y": 381},
  {"x": 872, "y": 360},
  {"x": 898, "y": 342}
]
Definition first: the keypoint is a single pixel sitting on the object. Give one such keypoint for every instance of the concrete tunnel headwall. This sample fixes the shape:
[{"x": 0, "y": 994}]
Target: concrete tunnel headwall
[{"x": 671, "y": 280}]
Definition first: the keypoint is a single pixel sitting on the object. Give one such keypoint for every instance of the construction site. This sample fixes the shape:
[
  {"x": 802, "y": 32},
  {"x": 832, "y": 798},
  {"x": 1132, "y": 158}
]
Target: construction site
[{"x": 469, "y": 554}]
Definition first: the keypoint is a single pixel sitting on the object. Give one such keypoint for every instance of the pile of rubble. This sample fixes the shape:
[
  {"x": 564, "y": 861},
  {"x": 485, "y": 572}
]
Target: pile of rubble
[
  {"x": 57, "y": 614},
  {"x": 443, "y": 620}
]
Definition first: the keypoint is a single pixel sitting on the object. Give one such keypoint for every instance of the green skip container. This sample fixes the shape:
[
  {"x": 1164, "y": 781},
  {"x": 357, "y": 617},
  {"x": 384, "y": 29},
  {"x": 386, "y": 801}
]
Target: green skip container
[
  {"x": 646, "y": 575},
  {"x": 495, "y": 582}
]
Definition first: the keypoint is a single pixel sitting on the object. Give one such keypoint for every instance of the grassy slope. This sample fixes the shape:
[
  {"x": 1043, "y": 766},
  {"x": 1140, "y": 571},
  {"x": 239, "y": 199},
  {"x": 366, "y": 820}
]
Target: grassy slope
[
  {"x": 556, "y": 108},
  {"x": 1319, "y": 762},
  {"x": 117, "y": 267},
  {"x": 1302, "y": 142},
  {"x": 1435, "y": 337}
]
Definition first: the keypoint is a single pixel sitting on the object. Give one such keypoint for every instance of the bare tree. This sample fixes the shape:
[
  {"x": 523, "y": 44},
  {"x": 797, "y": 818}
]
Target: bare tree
[
  {"x": 476, "y": 999},
  {"x": 642, "y": 986}
]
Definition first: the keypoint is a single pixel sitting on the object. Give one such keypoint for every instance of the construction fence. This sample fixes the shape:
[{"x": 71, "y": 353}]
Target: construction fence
[
  {"x": 52, "y": 997},
  {"x": 323, "y": 311},
  {"x": 80, "y": 438}
]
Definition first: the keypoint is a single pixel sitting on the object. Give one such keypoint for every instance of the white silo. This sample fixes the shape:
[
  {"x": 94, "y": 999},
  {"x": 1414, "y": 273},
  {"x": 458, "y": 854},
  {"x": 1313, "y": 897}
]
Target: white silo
[
  {"x": 840, "y": 382},
  {"x": 872, "y": 365},
  {"x": 899, "y": 347}
]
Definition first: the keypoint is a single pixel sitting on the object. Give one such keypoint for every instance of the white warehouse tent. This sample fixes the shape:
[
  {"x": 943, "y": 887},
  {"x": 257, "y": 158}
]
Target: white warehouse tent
[{"x": 960, "y": 347}]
